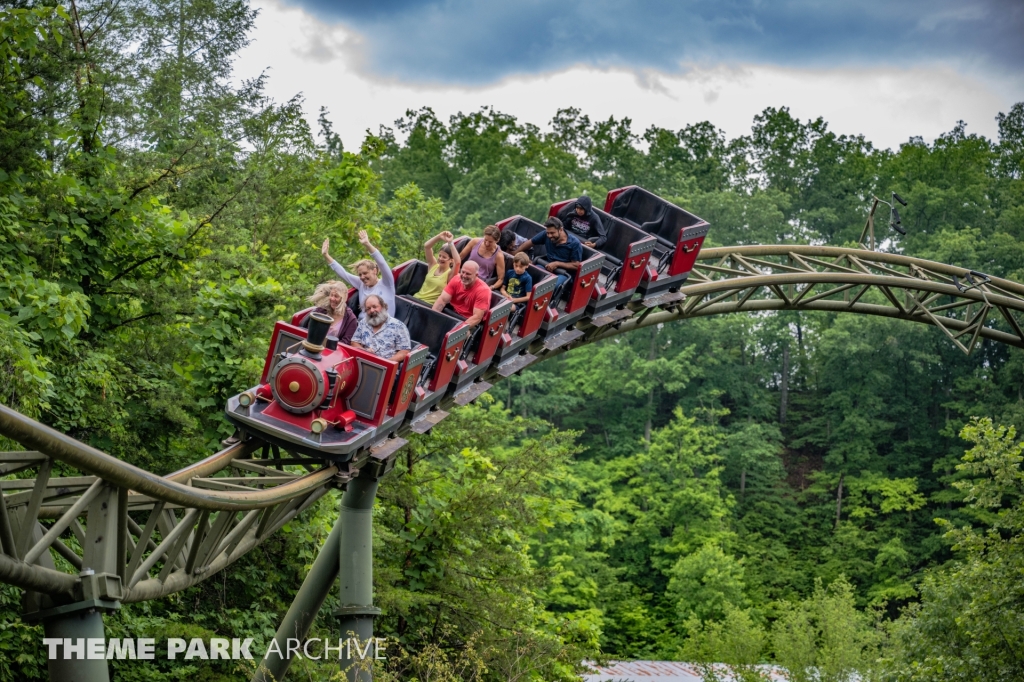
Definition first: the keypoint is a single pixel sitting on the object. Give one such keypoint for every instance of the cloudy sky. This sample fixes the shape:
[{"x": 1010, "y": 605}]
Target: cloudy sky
[{"x": 887, "y": 69}]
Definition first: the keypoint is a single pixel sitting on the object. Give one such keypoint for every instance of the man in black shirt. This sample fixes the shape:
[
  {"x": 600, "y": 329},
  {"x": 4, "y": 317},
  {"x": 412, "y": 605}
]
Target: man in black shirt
[{"x": 581, "y": 220}]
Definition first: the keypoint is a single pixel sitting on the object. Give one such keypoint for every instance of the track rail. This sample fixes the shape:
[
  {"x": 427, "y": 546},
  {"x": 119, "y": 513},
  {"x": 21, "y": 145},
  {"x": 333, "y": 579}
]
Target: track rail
[
  {"x": 162, "y": 534},
  {"x": 751, "y": 279},
  {"x": 192, "y": 523},
  {"x": 965, "y": 306}
]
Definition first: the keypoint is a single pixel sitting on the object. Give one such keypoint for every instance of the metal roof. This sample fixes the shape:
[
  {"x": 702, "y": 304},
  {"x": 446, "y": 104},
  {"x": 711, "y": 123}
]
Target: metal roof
[{"x": 655, "y": 671}]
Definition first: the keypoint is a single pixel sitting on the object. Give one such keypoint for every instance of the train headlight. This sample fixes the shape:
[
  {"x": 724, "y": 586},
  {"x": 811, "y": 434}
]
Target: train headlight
[
  {"x": 247, "y": 399},
  {"x": 318, "y": 426},
  {"x": 299, "y": 386}
]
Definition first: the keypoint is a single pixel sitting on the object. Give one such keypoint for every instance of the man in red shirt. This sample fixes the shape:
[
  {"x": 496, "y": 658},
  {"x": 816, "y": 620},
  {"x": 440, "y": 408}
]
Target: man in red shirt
[{"x": 469, "y": 295}]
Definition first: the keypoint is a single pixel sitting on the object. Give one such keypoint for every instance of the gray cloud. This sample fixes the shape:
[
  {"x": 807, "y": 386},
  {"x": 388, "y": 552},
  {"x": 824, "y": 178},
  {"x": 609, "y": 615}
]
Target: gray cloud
[{"x": 480, "y": 41}]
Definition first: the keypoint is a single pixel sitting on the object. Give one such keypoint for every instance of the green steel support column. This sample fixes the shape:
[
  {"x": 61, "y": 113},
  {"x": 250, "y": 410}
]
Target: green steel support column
[
  {"x": 302, "y": 612},
  {"x": 75, "y": 625},
  {"x": 356, "y": 611},
  {"x": 73, "y": 633}
]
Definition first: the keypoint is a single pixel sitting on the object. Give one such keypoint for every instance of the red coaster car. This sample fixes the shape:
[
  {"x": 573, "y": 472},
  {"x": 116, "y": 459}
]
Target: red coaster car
[
  {"x": 478, "y": 348},
  {"x": 526, "y": 320},
  {"x": 679, "y": 236},
  {"x": 445, "y": 338},
  {"x": 566, "y": 306},
  {"x": 322, "y": 398},
  {"x": 627, "y": 251}
]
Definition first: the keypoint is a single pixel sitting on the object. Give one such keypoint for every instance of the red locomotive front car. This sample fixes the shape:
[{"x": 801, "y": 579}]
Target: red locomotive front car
[{"x": 316, "y": 396}]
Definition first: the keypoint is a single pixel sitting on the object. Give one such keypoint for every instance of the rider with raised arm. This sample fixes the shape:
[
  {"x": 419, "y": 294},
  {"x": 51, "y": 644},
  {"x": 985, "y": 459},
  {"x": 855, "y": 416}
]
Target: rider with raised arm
[
  {"x": 441, "y": 269},
  {"x": 485, "y": 252},
  {"x": 372, "y": 277}
]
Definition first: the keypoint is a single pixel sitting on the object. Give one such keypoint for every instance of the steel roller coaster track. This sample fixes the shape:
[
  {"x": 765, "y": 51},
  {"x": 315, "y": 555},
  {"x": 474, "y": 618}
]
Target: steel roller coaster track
[{"x": 157, "y": 535}]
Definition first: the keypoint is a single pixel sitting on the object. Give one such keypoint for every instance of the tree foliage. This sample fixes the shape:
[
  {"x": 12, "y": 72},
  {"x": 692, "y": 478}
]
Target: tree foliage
[{"x": 746, "y": 487}]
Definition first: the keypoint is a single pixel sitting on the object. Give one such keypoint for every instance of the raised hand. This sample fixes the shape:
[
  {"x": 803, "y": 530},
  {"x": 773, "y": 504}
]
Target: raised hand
[
  {"x": 325, "y": 249},
  {"x": 447, "y": 236},
  {"x": 364, "y": 239}
]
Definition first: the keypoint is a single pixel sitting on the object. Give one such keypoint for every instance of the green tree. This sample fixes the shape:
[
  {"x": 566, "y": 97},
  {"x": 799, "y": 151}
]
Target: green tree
[
  {"x": 730, "y": 649},
  {"x": 455, "y": 560},
  {"x": 825, "y": 637},
  {"x": 706, "y": 584},
  {"x": 968, "y": 624}
]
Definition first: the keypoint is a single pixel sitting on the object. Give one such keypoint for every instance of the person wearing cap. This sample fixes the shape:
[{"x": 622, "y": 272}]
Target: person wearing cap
[{"x": 580, "y": 219}]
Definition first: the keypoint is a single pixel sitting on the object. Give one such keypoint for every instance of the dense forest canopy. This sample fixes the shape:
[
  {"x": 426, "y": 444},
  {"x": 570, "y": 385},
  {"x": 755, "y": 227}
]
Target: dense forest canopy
[{"x": 747, "y": 488}]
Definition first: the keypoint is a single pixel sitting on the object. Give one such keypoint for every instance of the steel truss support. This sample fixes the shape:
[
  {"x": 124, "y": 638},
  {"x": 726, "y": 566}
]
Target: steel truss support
[
  {"x": 303, "y": 611},
  {"x": 75, "y": 625},
  {"x": 79, "y": 625},
  {"x": 348, "y": 551},
  {"x": 356, "y": 610},
  {"x": 965, "y": 305},
  {"x": 142, "y": 536}
]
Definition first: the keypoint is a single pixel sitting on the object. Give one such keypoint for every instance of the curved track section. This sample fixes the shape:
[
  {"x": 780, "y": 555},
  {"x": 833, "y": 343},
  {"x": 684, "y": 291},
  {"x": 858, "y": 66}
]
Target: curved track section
[
  {"x": 191, "y": 523},
  {"x": 145, "y": 536},
  {"x": 965, "y": 305}
]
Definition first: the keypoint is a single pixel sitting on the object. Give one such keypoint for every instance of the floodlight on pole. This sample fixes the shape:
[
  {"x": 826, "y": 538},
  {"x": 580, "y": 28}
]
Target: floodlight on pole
[
  {"x": 894, "y": 219},
  {"x": 974, "y": 279}
]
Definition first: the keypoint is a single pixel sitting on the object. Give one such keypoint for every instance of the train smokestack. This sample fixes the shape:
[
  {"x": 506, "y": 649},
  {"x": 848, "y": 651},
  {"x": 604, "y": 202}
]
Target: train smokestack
[{"x": 319, "y": 325}]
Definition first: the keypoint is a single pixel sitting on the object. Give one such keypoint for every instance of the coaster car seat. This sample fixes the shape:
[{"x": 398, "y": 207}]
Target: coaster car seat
[{"x": 425, "y": 326}]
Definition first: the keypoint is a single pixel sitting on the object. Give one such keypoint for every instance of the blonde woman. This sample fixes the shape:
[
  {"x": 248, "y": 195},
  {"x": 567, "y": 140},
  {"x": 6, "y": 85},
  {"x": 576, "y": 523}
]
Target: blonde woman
[
  {"x": 441, "y": 269},
  {"x": 329, "y": 299},
  {"x": 484, "y": 252},
  {"x": 372, "y": 276}
]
